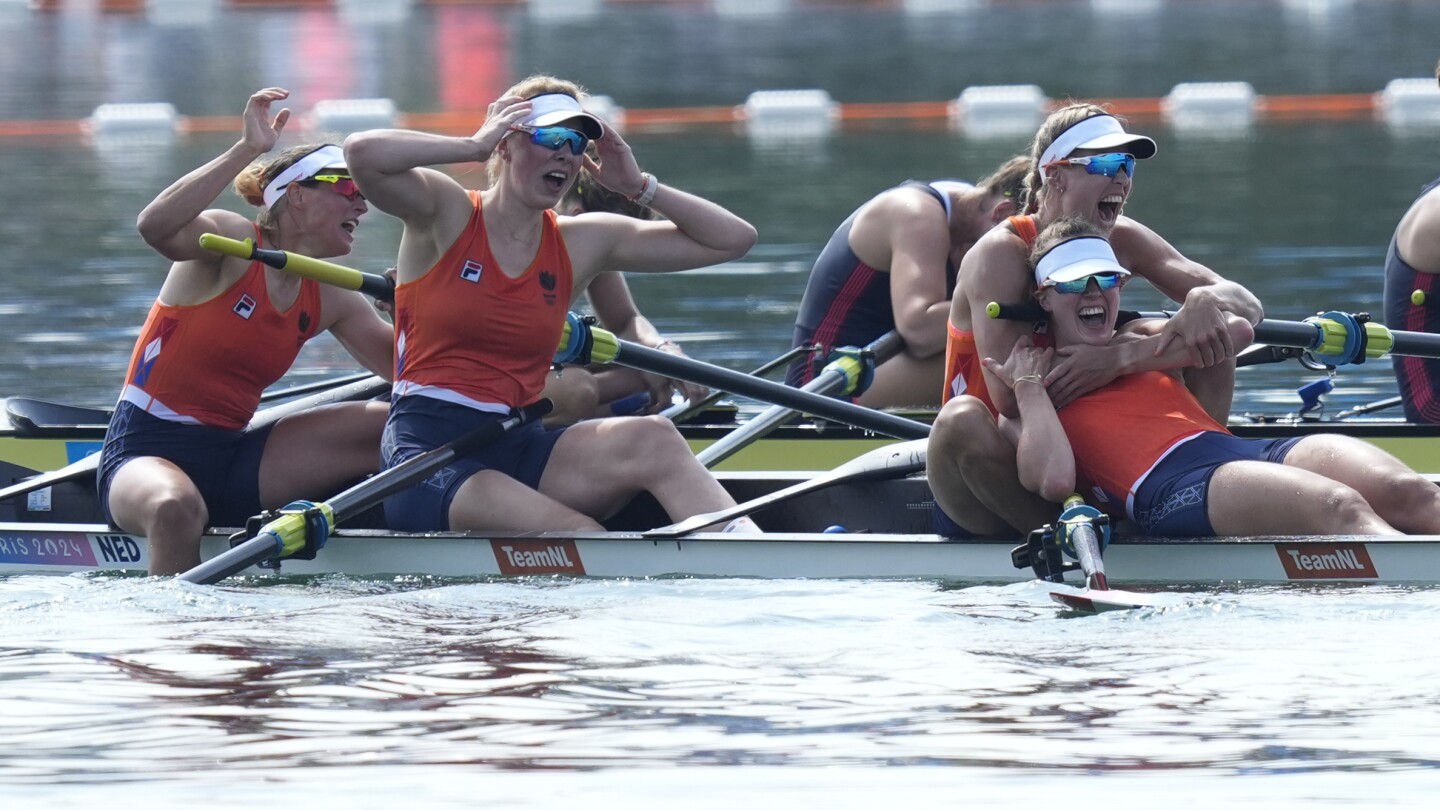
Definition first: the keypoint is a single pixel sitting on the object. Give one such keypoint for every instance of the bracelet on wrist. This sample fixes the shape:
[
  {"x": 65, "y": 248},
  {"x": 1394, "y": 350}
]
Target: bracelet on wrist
[
  {"x": 1030, "y": 378},
  {"x": 662, "y": 344},
  {"x": 647, "y": 189}
]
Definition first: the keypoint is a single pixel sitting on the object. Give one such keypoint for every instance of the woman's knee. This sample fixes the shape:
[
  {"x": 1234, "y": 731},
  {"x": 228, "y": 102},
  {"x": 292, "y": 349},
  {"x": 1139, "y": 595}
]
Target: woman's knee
[
  {"x": 167, "y": 509},
  {"x": 1345, "y": 511},
  {"x": 1409, "y": 500}
]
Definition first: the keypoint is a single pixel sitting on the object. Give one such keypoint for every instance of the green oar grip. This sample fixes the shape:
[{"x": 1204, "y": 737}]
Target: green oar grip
[{"x": 289, "y": 531}]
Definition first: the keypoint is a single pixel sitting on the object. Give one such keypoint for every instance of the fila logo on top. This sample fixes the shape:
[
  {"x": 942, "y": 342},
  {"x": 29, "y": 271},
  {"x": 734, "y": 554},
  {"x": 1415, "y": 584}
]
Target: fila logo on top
[
  {"x": 245, "y": 307},
  {"x": 471, "y": 271}
]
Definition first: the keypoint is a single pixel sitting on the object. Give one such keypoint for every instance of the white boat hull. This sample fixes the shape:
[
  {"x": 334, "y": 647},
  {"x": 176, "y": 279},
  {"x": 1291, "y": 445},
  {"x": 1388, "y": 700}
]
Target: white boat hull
[{"x": 30, "y": 548}]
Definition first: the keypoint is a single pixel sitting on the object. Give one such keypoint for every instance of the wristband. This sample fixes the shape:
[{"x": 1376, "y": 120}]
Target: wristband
[
  {"x": 1030, "y": 378},
  {"x": 647, "y": 189}
]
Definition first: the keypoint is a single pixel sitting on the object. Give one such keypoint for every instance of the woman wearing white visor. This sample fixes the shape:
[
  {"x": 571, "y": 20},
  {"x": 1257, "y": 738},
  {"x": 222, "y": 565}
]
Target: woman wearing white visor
[
  {"x": 178, "y": 455},
  {"x": 1085, "y": 165},
  {"x": 485, "y": 281},
  {"x": 1142, "y": 447}
]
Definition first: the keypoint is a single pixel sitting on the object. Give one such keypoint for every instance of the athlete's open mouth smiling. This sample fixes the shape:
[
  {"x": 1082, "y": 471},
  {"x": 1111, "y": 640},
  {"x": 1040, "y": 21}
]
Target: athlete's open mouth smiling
[
  {"x": 556, "y": 180},
  {"x": 1110, "y": 207},
  {"x": 1092, "y": 317}
]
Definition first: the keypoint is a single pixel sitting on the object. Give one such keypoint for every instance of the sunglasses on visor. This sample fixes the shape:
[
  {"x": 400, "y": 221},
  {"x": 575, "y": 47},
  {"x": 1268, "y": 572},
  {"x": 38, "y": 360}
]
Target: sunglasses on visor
[
  {"x": 1108, "y": 164},
  {"x": 1104, "y": 281},
  {"x": 553, "y": 138},
  {"x": 343, "y": 185}
]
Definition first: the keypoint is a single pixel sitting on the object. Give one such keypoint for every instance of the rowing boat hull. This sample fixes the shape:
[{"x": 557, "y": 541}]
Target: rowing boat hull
[{"x": 70, "y": 548}]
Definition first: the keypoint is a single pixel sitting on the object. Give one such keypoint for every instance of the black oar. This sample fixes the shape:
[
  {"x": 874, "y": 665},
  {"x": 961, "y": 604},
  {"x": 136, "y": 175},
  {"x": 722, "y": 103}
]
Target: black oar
[
  {"x": 680, "y": 412},
  {"x": 890, "y": 461},
  {"x": 313, "y": 387},
  {"x": 842, "y": 376},
  {"x": 294, "y": 531},
  {"x": 1339, "y": 338},
  {"x": 367, "y": 386},
  {"x": 607, "y": 348}
]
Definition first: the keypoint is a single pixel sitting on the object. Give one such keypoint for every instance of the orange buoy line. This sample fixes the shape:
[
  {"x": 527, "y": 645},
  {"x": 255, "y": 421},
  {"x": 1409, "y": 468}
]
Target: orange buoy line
[{"x": 919, "y": 113}]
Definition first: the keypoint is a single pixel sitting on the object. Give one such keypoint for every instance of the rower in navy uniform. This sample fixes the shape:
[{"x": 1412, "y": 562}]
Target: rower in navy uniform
[
  {"x": 891, "y": 266},
  {"x": 1412, "y": 298}
]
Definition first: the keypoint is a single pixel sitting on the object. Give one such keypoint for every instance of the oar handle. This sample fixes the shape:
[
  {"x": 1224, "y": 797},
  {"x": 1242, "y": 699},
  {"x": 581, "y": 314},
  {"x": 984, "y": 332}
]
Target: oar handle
[
  {"x": 373, "y": 285},
  {"x": 1032, "y": 311}
]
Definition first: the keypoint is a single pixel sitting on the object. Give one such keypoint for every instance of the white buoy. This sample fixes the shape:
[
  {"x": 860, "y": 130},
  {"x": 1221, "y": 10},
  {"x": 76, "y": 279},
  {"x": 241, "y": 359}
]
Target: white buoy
[
  {"x": 999, "y": 110},
  {"x": 182, "y": 13},
  {"x": 1406, "y": 103},
  {"x": 146, "y": 121},
  {"x": 1220, "y": 107},
  {"x": 1126, "y": 6},
  {"x": 935, "y": 7},
  {"x": 563, "y": 10},
  {"x": 750, "y": 8},
  {"x": 611, "y": 113},
  {"x": 345, "y": 115},
  {"x": 374, "y": 12},
  {"x": 790, "y": 115}
]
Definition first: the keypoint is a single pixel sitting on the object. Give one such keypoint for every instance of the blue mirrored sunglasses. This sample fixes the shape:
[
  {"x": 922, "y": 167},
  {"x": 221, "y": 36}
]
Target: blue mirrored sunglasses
[
  {"x": 553, "y": 138},
  {"x": 1107, "y": 164},
  {"x": 1104, "y": 281}
]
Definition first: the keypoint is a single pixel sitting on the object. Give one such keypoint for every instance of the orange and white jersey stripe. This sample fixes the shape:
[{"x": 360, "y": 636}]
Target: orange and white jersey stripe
[
  {"x": 469, "y": 334},
  {"x": 208, "y": 363}
]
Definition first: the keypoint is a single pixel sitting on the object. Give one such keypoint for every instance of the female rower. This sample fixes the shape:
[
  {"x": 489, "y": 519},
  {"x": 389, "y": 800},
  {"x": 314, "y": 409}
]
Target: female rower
[
  {"x": 1083, "y": 165},
  {"x": 485, "y": 279},
  {"x": 178, "y": 455},
  {"x": 1143, "y": 446},
  {"x": 891, "y": 266},
  {"x": 584, "y": 393}
]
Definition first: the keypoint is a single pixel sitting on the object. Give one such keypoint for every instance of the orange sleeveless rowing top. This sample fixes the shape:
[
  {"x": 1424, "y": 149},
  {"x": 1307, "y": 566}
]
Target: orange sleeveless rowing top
[
  {"x": 963, "y": 372},
  {"x": 467, "y": 333},
  {"x": 1122, "y": 430},
  {"x": 208, "y": 363}
]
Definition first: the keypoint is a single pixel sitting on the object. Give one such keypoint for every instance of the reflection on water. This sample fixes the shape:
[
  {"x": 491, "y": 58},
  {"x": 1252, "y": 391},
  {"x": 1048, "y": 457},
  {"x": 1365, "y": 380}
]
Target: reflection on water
[{"x": 136, "y": 678}]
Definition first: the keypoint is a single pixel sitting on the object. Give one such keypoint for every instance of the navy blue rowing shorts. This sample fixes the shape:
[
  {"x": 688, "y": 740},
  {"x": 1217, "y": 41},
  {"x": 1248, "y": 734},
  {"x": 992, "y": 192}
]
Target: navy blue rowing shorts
[
  {"x": 1174, "y": 499},
  {"x": 420, "y": 423},
  {"x": 223, "y": 464}
]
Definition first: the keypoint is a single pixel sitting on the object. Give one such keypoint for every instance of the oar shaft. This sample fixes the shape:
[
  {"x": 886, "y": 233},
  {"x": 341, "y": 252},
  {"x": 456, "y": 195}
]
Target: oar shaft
[
  {"x": 683, "y": 368},
  {"x": 832, "y": 379},
  {"x": 373, "y": 285}
]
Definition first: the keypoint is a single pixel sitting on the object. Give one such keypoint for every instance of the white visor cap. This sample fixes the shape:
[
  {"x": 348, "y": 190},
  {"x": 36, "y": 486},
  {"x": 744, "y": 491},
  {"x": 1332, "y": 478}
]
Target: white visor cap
[
  {"x": 557, "y": 108},
  {"x": 328, "y": 156},
  {"x": 1077, "y": 258},
  {"x": 1096, "y": 132}
]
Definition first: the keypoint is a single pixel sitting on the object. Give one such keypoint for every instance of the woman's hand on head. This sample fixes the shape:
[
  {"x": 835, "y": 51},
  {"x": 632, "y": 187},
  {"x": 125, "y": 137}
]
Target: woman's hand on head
[
  {"x": 502, "y": 114},
  {"x": 614, "y": 166}
]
